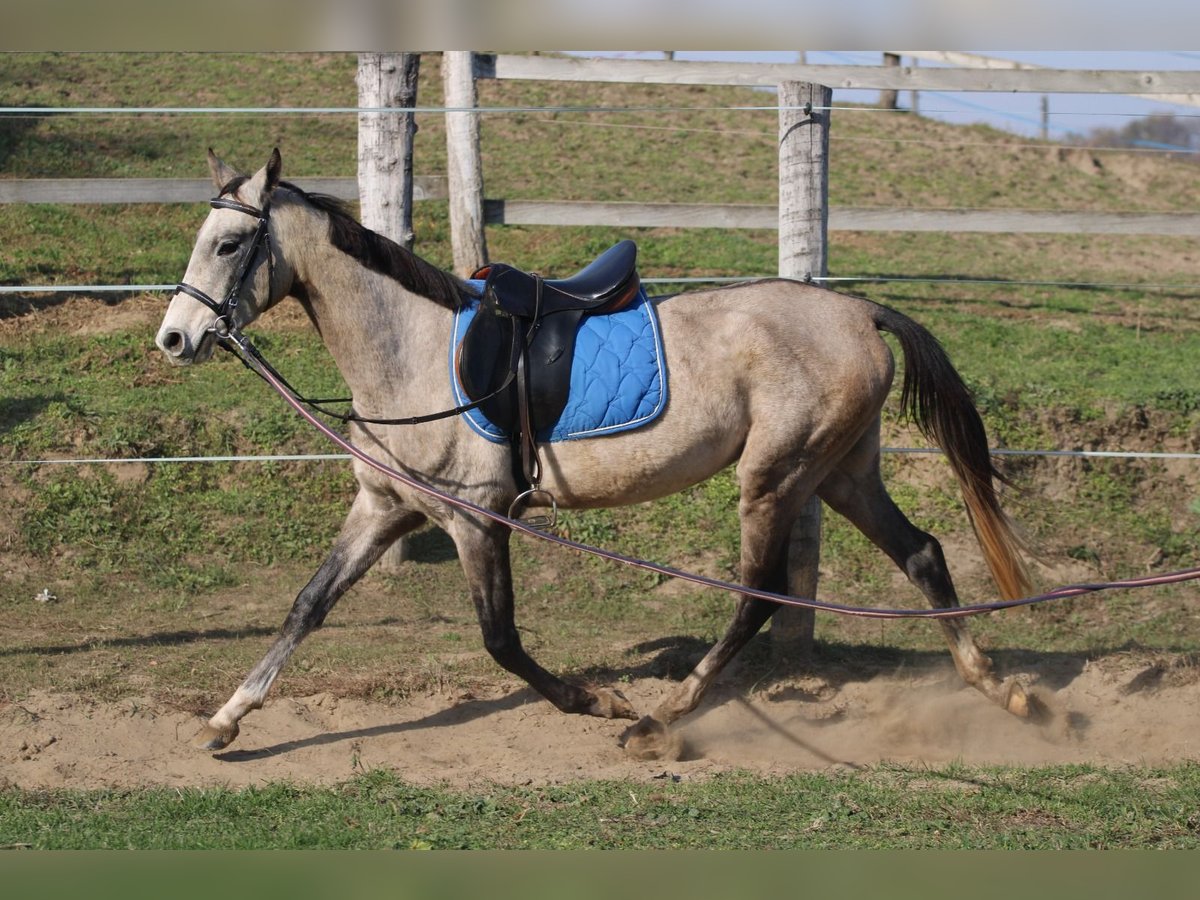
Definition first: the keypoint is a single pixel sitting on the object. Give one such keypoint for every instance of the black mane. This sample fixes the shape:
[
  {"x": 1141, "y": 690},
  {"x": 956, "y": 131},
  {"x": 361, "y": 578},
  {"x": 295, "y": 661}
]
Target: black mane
[{"x": 379, "y": 254}]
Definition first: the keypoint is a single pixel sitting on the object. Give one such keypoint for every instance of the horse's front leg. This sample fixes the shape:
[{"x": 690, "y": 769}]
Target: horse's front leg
[
  {"x": 375, "y": 522},
  {"x": 483, "y": 550}
]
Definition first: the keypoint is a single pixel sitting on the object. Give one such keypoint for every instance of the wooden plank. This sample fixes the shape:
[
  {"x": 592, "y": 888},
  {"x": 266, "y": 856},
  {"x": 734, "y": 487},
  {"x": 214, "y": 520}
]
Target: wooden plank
[
  {"x": 975, "y": 60},
  {"x": 629, "y": 215},
  {"x": 901, "y": 78},
  {"x": 175, "y": 190},
  {"x": 1013, "y": 221},
  {"x": 702, "y": 215},
  {"x": 965, "y": 60}
]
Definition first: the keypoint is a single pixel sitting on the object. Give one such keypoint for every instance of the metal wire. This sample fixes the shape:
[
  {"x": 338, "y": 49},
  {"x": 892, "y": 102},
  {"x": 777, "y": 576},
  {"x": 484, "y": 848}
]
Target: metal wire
[
  {"x": 317, "y": 457},
  {"x": 38, "y": 111},
  {"x": 245, "y": 351},
  {"x": 682, "y": 279}
]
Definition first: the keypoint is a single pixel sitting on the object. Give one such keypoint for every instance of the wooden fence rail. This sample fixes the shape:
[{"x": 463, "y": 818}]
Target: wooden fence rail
[
  {"x": 894, "y": 78},
  {"x": 173, "y": 190},
  {"x": 841, "y": 218},
  {"x": 976, "y": 61},
  {"x": 631, "y": 215}
]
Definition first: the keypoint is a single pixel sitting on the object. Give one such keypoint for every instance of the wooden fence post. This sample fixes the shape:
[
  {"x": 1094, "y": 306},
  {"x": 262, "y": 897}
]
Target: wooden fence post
[
  {"x": 464, "y": 165},
  {"x": 385, "y": 168},
  {"x": 890, "y": 99},
  {"x": 803, "y": 255},
  {"x": 385, "y": 143}
]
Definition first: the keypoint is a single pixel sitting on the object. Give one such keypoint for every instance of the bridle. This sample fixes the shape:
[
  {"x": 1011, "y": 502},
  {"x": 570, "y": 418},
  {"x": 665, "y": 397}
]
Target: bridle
[{"x": 227, "y": 308}]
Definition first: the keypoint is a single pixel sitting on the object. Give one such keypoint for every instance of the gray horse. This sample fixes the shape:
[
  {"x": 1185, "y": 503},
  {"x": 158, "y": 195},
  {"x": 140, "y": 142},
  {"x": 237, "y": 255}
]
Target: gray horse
[{"x": 783, "y": 378}]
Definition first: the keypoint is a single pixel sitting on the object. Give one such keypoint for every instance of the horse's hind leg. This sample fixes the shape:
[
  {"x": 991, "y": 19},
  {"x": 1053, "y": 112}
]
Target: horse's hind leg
[
  {"x": 483, "y": 551},
  {"x": 856, "y": 491},
  {"x": 766, "y": 526},
  {"x": 373, "y": 524}
]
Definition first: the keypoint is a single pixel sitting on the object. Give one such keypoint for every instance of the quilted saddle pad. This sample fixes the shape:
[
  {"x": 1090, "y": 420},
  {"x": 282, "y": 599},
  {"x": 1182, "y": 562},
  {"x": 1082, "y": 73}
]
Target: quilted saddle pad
[{"x": 618, "y": 376}]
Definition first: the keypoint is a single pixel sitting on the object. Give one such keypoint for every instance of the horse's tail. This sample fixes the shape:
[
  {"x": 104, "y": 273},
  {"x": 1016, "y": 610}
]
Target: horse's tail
[{"x": 936, "y": 399}]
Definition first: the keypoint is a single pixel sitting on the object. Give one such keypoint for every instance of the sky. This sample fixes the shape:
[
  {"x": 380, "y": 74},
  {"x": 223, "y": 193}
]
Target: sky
[{"x": 1017, "y": 113}]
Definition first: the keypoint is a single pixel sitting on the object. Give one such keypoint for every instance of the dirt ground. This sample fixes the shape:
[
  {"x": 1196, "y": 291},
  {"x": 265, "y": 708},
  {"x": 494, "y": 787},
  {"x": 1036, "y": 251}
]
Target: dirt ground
[{"x": 1115, "y": 711}]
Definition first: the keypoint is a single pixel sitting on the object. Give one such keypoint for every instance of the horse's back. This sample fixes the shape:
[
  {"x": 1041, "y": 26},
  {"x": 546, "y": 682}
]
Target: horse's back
[
  {"x": 778, "y": 361},
  {"x": 824, "y": 325}
]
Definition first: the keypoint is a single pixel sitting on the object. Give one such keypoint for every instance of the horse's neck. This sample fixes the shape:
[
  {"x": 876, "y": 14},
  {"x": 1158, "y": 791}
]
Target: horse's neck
[{"x": 384, "y": 338}]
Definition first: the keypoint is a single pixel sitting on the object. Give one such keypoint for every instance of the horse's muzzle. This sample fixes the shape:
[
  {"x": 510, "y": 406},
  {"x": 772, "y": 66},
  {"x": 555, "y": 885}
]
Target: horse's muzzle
[{"x": 180, "y": 349}]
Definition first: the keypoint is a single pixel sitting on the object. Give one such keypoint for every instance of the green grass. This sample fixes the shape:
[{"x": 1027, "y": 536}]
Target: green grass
[
  {"x": 1084, "y": 366},
  {"x": 945, "y": 808}
]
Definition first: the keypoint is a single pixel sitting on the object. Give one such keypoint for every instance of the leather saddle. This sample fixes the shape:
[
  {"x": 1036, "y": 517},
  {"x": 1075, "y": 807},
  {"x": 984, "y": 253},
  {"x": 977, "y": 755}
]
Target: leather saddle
[{"x": 515, "y": 358}]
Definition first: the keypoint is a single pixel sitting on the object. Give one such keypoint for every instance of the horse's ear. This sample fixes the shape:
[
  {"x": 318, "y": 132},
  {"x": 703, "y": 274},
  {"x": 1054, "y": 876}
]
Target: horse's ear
[
  {"x": 265, "y": 179},
  {"x": 222, "y": 173},
  {"x": 274, "y": 168}
]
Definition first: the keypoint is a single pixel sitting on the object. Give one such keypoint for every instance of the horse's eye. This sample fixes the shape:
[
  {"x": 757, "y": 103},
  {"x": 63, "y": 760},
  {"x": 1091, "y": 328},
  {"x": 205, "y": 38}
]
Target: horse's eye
[{"x": 228, "y": 248}]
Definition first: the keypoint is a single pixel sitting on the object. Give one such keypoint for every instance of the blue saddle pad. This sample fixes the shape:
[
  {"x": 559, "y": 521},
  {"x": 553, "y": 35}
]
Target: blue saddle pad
[{"x": 618, "y": 376}]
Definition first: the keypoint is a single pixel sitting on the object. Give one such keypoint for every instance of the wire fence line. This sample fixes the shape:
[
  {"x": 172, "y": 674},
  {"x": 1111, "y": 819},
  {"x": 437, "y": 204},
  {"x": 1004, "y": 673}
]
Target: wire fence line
[
  {"x": 341, "y": 457},
  {"x": 31, "y": 112},
  {"x": 688, "y": 279},
  {"x": 87, "y": 111}
]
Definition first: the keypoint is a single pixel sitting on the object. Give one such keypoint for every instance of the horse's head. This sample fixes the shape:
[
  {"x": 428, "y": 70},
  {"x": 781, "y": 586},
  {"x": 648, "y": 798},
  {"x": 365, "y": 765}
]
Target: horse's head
[{"x": 235, "y": 272}]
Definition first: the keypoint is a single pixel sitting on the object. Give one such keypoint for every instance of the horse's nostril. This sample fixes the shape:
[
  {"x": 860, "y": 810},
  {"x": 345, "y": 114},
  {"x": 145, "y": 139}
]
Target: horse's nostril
[{"x": 172, "y": 342}]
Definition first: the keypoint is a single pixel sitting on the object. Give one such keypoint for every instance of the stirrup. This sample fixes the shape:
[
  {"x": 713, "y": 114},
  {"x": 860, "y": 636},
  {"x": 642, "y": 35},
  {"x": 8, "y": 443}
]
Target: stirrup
[{"x": 541, "y": 522}]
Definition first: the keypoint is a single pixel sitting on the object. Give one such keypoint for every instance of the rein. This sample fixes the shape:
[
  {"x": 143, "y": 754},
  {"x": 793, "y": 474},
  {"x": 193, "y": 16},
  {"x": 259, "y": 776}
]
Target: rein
[
  {"x": 231, "y": 338},
  {"x": 237, "y": 343}
]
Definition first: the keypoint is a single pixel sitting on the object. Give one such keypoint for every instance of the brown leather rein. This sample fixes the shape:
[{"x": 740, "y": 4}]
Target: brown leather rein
[{"x": 236, "y": 342}]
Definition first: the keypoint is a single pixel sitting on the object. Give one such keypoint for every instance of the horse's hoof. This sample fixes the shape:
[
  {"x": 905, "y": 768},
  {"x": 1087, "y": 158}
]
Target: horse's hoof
[
  {"x": 1043, "y": 713},
  {"x": 651, "y": 739},
  {"x": 211, "y": 738},
  {"x": 1027, "y": 705},
  {"x": 611, "y": 705},
  {"x": 1016, "y": 701}
]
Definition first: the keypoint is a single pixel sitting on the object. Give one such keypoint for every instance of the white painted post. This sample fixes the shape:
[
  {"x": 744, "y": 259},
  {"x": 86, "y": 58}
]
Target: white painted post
[
  {"x": 464, "y": 165},
  {"x": 803, "y": 255},
  {"x": 385, "y": 168}
]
